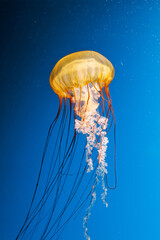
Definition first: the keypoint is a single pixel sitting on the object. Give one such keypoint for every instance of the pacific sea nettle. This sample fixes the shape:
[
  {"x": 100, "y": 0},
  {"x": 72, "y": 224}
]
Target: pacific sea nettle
[
  {"x": 81, "y": 80},
  {"x": 84, "y": 78}
]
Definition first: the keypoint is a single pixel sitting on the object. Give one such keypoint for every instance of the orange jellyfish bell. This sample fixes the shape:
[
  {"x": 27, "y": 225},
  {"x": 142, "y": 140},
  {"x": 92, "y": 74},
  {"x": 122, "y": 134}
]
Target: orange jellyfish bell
[{"x": 79, "y": 69}]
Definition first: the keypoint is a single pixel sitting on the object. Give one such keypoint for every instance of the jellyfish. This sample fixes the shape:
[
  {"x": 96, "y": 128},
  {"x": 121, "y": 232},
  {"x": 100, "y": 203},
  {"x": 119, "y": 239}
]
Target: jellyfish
[{"x": 81, "y": 81}]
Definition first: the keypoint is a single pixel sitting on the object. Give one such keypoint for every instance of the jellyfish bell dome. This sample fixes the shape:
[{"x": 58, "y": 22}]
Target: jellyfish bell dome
[{"x": 79, "y": 69}]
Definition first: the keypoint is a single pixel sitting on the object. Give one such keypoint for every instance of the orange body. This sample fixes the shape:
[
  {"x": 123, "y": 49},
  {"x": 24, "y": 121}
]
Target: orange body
[{"x": 79, "y": 69}]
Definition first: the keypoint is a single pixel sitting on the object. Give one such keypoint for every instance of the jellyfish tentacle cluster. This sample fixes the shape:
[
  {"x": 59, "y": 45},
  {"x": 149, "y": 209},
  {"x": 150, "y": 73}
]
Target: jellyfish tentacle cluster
[{"x": 94, "y": 126}]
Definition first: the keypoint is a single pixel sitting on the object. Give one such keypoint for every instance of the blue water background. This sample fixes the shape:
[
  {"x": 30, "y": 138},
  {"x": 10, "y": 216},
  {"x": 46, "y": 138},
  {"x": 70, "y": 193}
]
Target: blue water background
[{"x": 34, "y": 36}]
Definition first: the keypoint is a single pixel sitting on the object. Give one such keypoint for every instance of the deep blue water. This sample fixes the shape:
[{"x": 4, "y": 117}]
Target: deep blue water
[{"x": 35, "y": 35}]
